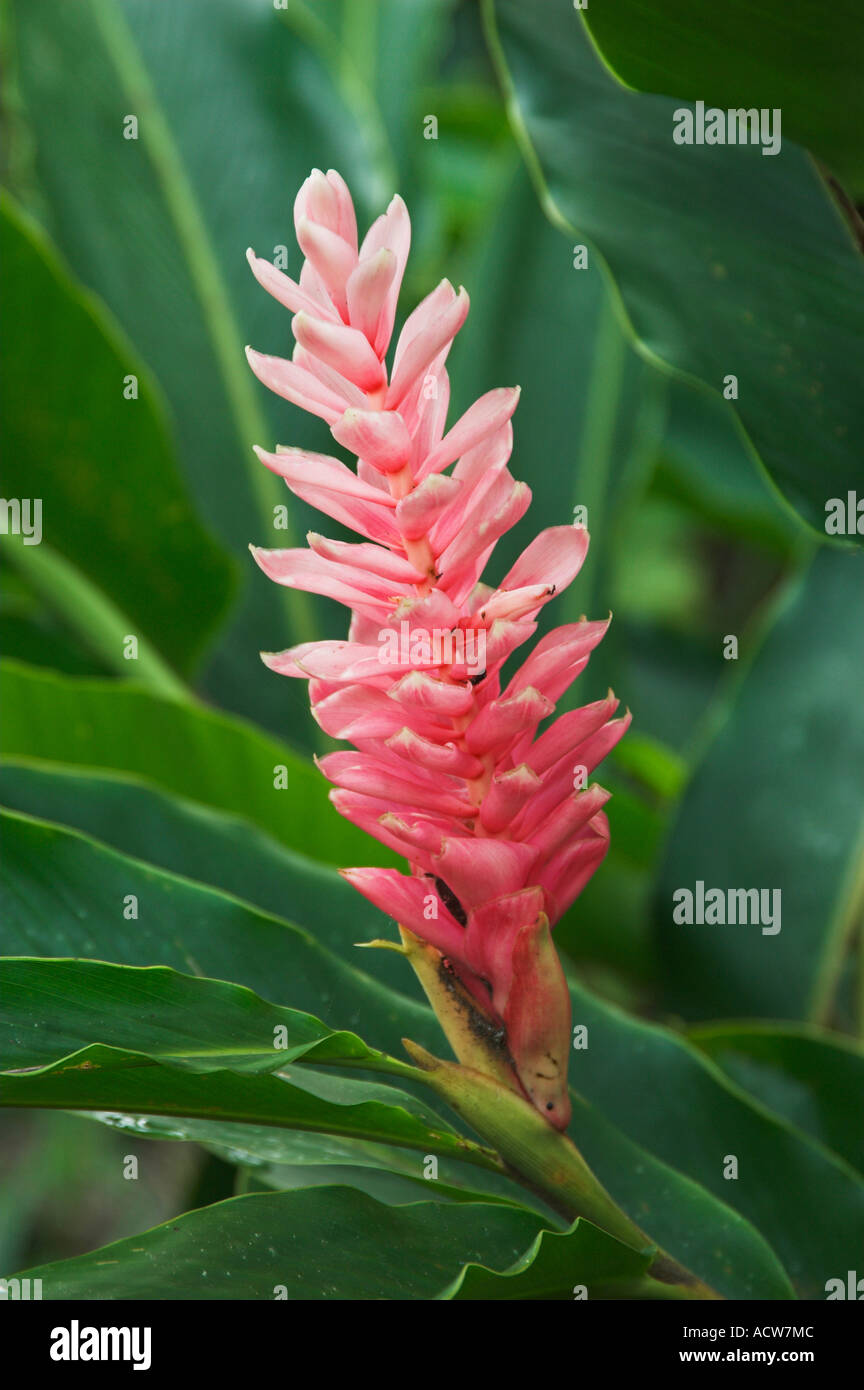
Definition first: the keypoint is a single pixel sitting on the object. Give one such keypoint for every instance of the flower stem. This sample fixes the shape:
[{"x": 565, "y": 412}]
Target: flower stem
[{"x": 543, "y": 1159}]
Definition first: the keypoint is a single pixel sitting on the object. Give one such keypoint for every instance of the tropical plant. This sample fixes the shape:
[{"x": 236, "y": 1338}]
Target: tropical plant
[{"x": 188, "y": 993}]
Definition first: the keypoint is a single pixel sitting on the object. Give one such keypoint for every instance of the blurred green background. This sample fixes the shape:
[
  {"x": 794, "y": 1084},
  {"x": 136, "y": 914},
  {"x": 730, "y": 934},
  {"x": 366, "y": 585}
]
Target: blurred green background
[{"x": 129, "y": 410}]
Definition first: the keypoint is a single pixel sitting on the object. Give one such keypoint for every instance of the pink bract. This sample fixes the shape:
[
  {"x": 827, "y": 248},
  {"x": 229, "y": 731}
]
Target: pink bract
[{"x": 499, "y": 826}]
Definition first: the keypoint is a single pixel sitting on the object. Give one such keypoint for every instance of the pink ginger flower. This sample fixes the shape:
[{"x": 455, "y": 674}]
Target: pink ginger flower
[{"x": 498, "y": 827}]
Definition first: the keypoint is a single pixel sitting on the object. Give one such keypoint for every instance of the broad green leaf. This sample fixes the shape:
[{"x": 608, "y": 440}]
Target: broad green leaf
[
  {"x": 103, "y": 629},
  {"x": 384, "y": 1184},
  {"x": 314, "y": 1244},
  {"x": 63, "y": 895},
  {"x": 194, "y": 751},
  {"x": 31, "y": 632},
  {"x": 53, "y": 1007},
  {"x": 777, "y": 805},
  {"x": 104, "y": 1078},
  {"x": 704, "y": 1230},
  {"x": 672, "y": 676},
  {"x": 704, "y": 463},
  {"x": 812, "y": 1077},
  {"x": 158, "y": 225},
  {"x": 784, "y": 55},
  {"x": 130, "y": 529},
  {"x": 283, "y": 1158},
  {"x": 609, "y": 924},
  {"x": 108, "y": 1078},
  {"x": 583, "y": 1262},
  {"x": 670, "y": 1100},
  {"x": 727, "y": 263},
  {"x": 727, "y": 1251},
  {"x": 215, "y": 849}
]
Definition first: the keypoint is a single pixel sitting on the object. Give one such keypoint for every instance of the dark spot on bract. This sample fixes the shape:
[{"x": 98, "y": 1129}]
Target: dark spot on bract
[
  {"x": 451, "y": 902},
  {"x": 475, "y": 680}
]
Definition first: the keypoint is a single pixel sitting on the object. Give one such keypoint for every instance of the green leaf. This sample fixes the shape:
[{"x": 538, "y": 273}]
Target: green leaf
[
  {"x": 196, "y": 752},
  {"x": 155, "y": 197},
  {"x": 777, "y": 805},
  {"x": 384, "y": 1184},
  {"x": 704, "y": 462},
  {"x": 668, "y": 1099},
  {"x": 703, "y": 1229},
  {"x": 53, "y": 1007},
  {"x": 314, "y": 1244},
  {"x": 129, "y": 530},
  {"x": 740, "y": 55},
  {"x": 289, "y": 1158},
  {"x": 652, "y": 1203},
  {"x": 756, "y": 282},
  {"x": 159, "y": 225},
  {"x": 812, "y": 1077},
  {"x": 31, "y": 631},
  {"x": 101, "y": 627},
  {"x": 109, "y": 1078},
  {"x": 556, "y": 1265},
  {"x": 63, "y": 895},
  {"x": 216, "y": 849}
]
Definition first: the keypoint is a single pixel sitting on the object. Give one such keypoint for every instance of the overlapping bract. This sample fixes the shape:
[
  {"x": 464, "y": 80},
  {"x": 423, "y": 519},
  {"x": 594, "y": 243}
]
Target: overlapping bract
[{"x": 499, "y": 825}]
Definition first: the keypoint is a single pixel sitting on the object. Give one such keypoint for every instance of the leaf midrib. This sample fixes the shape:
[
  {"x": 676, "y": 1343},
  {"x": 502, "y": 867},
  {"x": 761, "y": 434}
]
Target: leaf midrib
[{"x": 202, "y": 265}]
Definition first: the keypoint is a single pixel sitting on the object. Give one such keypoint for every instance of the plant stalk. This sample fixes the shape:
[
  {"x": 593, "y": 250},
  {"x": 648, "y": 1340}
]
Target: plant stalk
[
  {"x": 543, "y": 1159},
  {"x": 485, "y": 1091}
]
